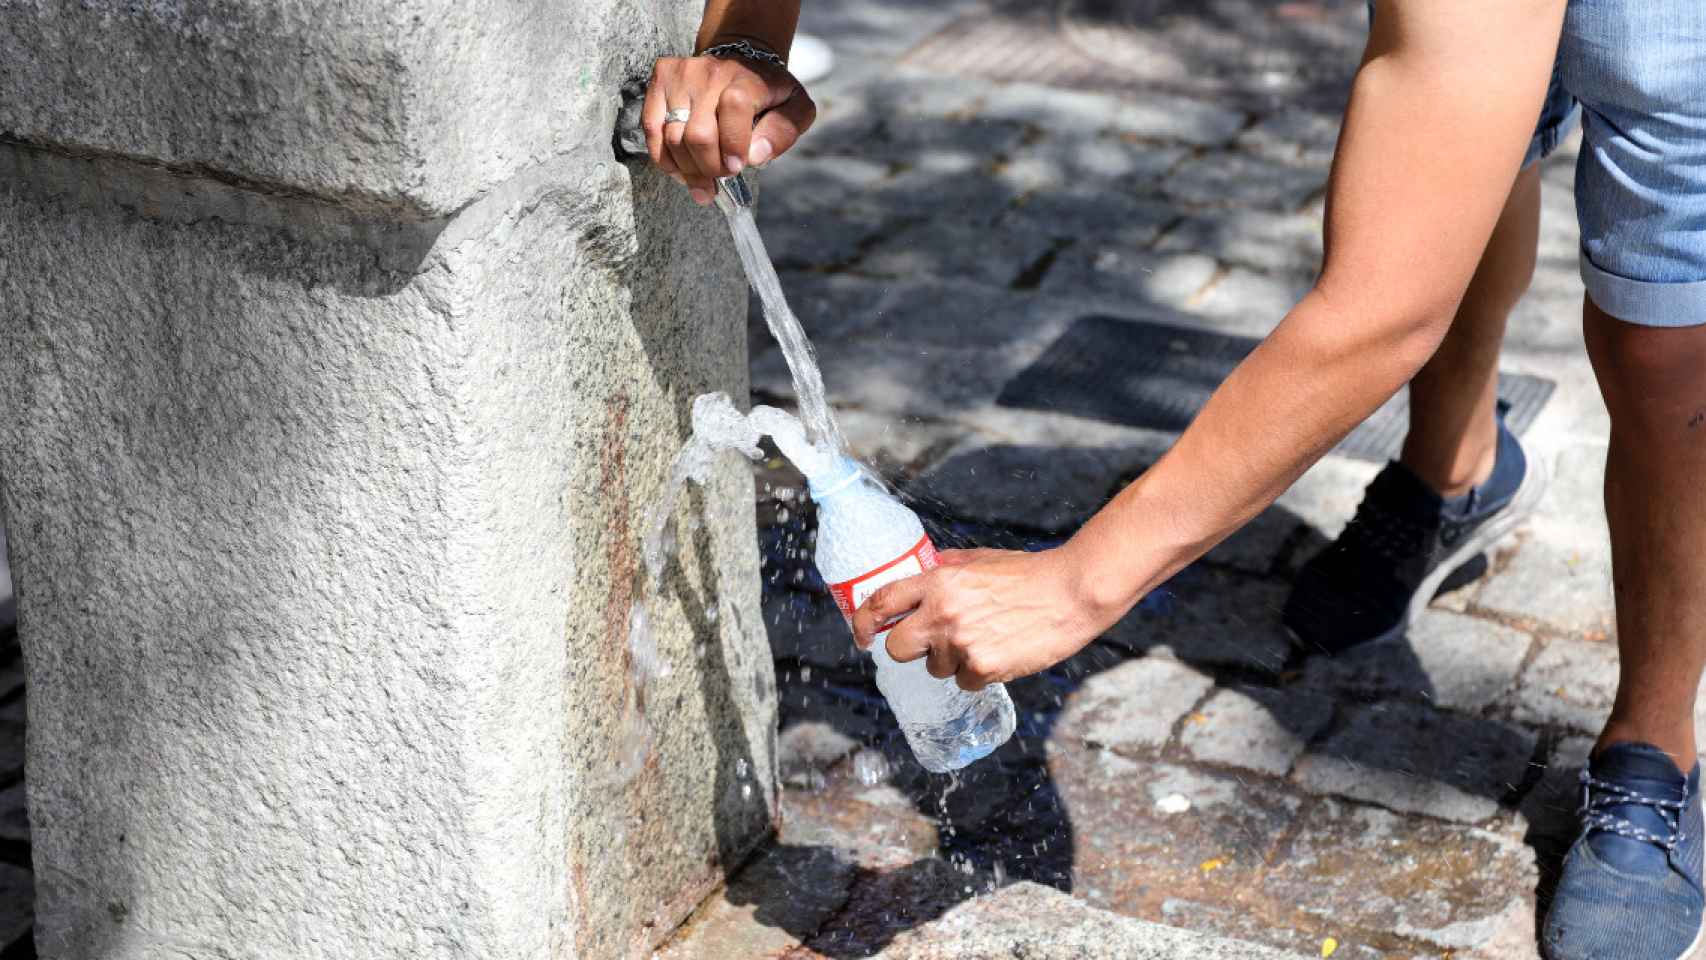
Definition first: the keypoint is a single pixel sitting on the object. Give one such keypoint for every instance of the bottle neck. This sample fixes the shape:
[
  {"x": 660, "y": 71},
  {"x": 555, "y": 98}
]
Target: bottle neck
[{"x": 845, "y": 476}]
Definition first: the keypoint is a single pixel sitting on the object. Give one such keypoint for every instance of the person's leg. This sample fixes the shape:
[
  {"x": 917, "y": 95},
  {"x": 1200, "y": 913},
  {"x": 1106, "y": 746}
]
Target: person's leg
[
  {"x": 1654, "y": 382},
  {"x": 1453, "y": 435}
]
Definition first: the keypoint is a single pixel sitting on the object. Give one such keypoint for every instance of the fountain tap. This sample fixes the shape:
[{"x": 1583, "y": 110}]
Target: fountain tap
[{"x": 733, "y": 193}]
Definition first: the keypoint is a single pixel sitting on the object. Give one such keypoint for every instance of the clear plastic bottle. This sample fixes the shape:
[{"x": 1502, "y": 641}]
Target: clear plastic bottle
[{"x": 866, "y": 539}]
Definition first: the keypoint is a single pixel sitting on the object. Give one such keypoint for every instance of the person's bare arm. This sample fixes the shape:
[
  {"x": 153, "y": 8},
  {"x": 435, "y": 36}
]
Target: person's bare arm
[
  {"x": 1440, "y": 115},
  {"x": 741, "y": 111}
]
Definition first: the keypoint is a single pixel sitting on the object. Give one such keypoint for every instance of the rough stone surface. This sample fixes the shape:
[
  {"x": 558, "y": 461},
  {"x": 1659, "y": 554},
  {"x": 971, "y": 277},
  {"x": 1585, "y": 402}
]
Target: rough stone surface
[
  {"x": 1028, "y": 921},
  {"x": 784, "y": 894},
  {"x": 1410, "y": 759},
  {"x": 1419, "y": 880},
  {"x": 1453, "y": 661},
  {"x": 1570, "y": 684},
  {"x": 348, "y": 509},
  {"x": 1550, "y": 809},
  {"x": 1255, "y": 728},
  {"x": 1211, "y": 617},
  {"x": 1134, "y": 704},
  {"x": 418, "y": 107},
  {"x": 1051, "y": 489}
]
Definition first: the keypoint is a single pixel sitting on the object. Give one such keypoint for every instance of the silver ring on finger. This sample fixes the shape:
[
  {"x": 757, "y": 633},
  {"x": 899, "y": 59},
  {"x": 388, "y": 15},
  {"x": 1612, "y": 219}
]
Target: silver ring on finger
[{"x": 678, "y": 115}]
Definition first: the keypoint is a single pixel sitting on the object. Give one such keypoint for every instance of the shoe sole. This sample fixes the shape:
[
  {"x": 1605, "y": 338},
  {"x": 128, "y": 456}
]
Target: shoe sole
[{"x": 1522, "y": 506}]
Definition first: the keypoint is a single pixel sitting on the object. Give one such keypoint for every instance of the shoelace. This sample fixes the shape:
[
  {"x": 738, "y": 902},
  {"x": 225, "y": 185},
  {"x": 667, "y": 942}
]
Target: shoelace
[{"x": 1595, "y": 816}]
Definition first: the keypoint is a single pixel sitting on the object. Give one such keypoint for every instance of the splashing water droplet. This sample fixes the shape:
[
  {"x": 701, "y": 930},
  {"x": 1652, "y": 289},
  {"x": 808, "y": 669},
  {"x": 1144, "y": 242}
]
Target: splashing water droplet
[{"x": 870, "y": 767}]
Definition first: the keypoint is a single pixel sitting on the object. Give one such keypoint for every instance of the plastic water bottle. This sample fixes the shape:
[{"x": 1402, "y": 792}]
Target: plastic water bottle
[{"x": 865, "y": 540}]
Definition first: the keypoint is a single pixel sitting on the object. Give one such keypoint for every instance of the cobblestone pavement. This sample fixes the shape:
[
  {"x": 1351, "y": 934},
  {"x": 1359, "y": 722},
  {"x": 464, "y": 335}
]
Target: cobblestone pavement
[{"x": 944, "y": 226}]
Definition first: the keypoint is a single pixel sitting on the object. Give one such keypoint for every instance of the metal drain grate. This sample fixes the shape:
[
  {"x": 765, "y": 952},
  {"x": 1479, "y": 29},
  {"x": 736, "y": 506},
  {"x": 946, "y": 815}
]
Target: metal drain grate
[{"x": 1157, "y": 376}]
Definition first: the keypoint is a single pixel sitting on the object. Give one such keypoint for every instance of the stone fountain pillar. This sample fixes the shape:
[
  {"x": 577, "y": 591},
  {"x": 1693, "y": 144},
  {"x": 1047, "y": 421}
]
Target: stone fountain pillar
[{"x": 339, "y": 362}]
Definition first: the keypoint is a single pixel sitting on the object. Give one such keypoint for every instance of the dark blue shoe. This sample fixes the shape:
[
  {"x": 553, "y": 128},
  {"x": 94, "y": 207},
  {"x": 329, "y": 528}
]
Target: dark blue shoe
[
  {"x": 1371, "y": 583},
  {"x": 1630, "y": 887}
]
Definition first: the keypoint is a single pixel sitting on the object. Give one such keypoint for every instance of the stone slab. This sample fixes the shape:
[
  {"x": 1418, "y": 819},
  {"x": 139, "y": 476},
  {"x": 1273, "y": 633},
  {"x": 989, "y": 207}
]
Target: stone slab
[
  {"x": 1560, "y": 575},
  {"x": 1144, "y": 832},
  {"x": 806, "y": 751},
  {"x": 364, "y": 538},
  {"x": 1449, "y": 660},
  {"x": 415, "y": 108},
  {"x": 1133, "y": 705},
  {"x": 1256, "y": 728},
  {"x": 1119, "y": 168},
  {"x": 1211, "y": 617},
  {"x": 1034, "y": 922},
  {"x": 783, "y": 896},
  {"x": 1570, "y": 684},
  {"x": 1413, "y": 759},
  {"x": 937, "y": 249},
  {"x": 1047, "y": 489},
  {"x": 1284, "y": 244},
  {"x": 1237, "y": 179},
  {"x": 1403, "y": 879}
]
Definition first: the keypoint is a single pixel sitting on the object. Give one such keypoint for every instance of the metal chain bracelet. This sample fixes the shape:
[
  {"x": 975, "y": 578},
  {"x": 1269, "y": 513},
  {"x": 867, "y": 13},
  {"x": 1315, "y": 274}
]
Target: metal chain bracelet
[{"x": 746, "y": 49}]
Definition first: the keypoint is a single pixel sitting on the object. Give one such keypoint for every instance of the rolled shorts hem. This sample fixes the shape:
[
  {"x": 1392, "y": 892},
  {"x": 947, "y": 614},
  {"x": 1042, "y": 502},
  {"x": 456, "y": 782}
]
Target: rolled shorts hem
[{"x": 1644, "y": 302}]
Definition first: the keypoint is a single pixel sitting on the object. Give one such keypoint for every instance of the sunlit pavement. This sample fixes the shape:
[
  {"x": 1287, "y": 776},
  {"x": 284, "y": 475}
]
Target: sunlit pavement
[{"x": 1159, "y": 163}]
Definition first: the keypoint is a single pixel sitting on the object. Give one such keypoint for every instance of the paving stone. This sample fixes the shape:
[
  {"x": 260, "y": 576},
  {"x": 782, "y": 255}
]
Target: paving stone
[
  {"x": 942, "y": 184},
  {"x": 17, "y": 903},
  {"x": 806, "y": 751},
  {"x": 1134, "y": 705},
  {"x": 1130, "y": 855},
  {"x": 1052, "y": 108},
  {"x": 1256, "y": 728},
  {"x": 940, "y": 142},
  {"x": 826, "y": 305},
  {"x": 967, "y": 253},
  {"x": 1239, "y": 179},
  {"x": 1570, "y": 684},
  {"x": 784, "y": 895},
  {"x": 900, "y": 377},
  {"x": 852, "y": 818},
  {"x": 1137, "y": 278},
  {"x": 802, "y": 184},
  {"x": 1248, "y": 302},
  {"x": 898, "y": 448},
  {"x": 1294, "y": 134},
  {"x": 1322, "y": 501},
  {"x": 1047, "y": 489},
  {"x": 1185, "y": 119},
  {"x": 1549, "y": 810},
  {"x": 1283, "y": 244},
  {"x": 1211, "y": 617},
  {"x": 14, "y": 814},
  {"x": 1035, "y": 922},
  {"x": 817, "y": 240},
  {"x": 1452, "y": 887},
  {"x": 1108, "y": 164},
  {"x": 1108, "y": 220},
  {"x": 1560, "y": 575},
  {"x": 1450, "y": 660},
  {"x": 1412, "y": 759}
]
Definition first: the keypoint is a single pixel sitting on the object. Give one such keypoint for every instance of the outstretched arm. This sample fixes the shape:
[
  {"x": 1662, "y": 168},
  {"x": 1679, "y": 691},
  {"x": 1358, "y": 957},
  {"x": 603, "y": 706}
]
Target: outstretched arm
[
  {"x": 740, "y": 111},
  {"x": 1442, "y": 110}
]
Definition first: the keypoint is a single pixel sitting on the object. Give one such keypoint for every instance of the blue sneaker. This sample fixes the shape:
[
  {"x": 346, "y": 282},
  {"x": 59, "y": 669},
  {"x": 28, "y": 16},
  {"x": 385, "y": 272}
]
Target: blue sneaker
[
  {"x": 1371, "y": 584},
  {"x": 1630, "y": 888}
]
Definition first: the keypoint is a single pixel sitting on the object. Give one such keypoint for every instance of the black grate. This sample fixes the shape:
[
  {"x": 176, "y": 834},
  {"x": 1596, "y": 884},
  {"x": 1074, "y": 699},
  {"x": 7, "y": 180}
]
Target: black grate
[{"x": 1157, "y": 376}]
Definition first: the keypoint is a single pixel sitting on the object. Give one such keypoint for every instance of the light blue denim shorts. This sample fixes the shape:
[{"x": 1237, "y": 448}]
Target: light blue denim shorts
[{"x": 1635, "y": 73}]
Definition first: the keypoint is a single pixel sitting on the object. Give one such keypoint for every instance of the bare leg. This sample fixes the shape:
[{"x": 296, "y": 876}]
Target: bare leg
[
  {"x": 1654, "y": 382},
  {"x": 1453, "y": 436}
]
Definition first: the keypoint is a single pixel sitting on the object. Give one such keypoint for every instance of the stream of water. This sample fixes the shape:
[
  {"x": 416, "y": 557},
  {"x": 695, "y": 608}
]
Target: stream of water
[{"x": 718, "y": 426}]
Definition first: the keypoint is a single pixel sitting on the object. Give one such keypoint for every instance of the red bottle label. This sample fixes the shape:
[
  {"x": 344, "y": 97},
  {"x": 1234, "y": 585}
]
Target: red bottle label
[{"x": 850, "y": 594}]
